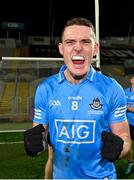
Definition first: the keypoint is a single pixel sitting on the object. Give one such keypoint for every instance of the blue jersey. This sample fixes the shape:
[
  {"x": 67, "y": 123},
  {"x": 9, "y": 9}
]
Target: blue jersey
[
  {"x": 77, "y": 114},
  {"x": 130, "y": 103}
]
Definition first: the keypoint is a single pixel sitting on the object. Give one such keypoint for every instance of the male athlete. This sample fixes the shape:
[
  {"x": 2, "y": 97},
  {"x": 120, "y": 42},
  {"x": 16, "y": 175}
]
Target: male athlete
[
  {"x": 83, "y": 110},
  {"x": 129, "y": 92}
]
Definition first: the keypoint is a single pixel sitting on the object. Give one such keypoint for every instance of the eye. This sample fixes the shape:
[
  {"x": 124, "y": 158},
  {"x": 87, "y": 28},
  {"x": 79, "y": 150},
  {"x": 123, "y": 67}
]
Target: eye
[
  {"x": 69, "y": 42},
  {"x": 86, "y": 41}
]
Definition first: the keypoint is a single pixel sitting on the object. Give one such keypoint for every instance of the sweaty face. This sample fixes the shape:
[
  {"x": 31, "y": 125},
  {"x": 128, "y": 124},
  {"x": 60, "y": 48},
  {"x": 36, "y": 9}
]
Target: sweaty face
[{"x": 78, "y": 48}]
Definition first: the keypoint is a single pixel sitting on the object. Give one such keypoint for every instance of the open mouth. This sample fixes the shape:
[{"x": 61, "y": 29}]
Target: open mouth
[{"x": 78, "y": 60}]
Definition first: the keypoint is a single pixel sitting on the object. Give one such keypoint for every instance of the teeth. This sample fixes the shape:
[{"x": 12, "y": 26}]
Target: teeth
[{"x": 77, "y": 58}]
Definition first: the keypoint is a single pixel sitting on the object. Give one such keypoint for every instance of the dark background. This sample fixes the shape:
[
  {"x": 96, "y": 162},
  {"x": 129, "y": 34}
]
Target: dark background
[{"x": 47, "y": 17}]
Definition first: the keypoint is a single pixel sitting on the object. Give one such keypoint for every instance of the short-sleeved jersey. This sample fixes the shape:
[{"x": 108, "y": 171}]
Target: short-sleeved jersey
[
  {"x": 76, "y": 115},
  {"x": 130, "y": 103}
]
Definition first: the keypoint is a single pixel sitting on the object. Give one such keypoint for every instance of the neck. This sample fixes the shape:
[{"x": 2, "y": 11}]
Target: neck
[{"x": 74, "y": 79}]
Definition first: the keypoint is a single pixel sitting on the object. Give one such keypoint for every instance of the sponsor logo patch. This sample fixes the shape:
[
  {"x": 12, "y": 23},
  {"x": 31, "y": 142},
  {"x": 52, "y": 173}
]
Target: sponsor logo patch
[{"x": 75, "y": 131}]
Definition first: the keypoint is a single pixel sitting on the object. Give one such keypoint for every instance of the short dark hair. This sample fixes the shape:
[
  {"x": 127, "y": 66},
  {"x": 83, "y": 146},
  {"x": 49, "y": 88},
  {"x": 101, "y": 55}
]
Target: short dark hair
[{"x": 78, "y": 21}]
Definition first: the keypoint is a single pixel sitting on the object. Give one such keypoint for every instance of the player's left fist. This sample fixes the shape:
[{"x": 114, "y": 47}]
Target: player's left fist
[{"x": 112, "y": 146}]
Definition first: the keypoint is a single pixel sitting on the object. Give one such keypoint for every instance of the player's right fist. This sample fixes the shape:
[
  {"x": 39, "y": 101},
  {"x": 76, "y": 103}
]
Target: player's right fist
[{"x": 35, "y": 140}]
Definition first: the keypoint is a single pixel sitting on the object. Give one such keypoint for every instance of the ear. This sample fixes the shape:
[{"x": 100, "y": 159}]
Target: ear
[
  {"x": 96, "y": 49},
  {"x": 60, "y": 46}
]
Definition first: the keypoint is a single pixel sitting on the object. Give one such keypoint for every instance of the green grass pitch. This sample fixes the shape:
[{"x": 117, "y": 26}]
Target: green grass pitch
[{"x": 15, "y": 164}]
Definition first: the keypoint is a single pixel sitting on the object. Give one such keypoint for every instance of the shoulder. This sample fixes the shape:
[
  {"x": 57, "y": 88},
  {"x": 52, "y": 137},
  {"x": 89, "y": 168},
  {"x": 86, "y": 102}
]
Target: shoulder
[
  {"x": 47, "y": 84},
  {"x": 106, "y": 80},
  {"x": 50, "y": 80},
  {"x": 108, "y": 85}
]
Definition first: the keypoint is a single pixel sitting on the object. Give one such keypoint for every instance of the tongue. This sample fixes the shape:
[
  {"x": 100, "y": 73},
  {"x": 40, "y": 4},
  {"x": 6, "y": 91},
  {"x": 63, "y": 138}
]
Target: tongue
[{"x": 78, "y": 61}]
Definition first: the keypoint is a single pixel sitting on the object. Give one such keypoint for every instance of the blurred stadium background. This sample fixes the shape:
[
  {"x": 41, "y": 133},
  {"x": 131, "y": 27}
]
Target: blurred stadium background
[
  {"x": 18, "y": 81},
  {"x": 19, "y": 78}
]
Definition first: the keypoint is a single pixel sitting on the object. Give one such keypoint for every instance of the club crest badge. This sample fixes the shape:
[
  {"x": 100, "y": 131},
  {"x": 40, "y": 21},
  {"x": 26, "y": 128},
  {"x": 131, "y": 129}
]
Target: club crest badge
[{"x": 96, "y": 104}]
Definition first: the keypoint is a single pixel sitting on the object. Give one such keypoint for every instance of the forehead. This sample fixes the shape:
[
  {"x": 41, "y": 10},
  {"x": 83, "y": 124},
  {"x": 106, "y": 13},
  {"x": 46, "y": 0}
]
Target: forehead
[{"x": 78, "y": 31}]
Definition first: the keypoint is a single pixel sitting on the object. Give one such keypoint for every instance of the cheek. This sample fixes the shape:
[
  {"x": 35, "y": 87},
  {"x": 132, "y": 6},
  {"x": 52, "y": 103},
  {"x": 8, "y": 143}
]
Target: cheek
[
  {"x": 66, "y": 53},
  {"x": 90, "y": 54},
  {"x": 67, "y": 57}
]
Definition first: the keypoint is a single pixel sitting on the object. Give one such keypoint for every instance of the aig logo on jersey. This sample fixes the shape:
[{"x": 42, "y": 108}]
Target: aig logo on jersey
[{"x": 75, "y": 131}]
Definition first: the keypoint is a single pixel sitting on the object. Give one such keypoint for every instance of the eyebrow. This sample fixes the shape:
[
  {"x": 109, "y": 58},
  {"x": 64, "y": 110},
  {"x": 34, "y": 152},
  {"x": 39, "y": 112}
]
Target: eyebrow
[{"x": 73, "y": 39}]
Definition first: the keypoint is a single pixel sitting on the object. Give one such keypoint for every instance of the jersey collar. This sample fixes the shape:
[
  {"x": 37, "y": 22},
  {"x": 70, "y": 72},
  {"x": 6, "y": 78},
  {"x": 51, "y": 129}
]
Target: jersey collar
[{"x": 89, "y": 77}]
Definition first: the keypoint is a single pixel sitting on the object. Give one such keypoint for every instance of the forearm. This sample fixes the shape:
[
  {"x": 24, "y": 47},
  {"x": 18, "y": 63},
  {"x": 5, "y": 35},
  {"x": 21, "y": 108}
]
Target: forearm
[
  {"x": 122, "y": 130},
  {"x": 126, "y": 146},
  {"x": 49, "y": 164},
  {"x": 49, "y": 169}
]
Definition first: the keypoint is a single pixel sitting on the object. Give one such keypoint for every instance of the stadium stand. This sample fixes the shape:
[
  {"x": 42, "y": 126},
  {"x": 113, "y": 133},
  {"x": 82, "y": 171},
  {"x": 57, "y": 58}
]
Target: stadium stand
[
  {"x": 6, "y": 107},
  {"x": 22, "y": 94},
  {"x": 19, "y": 78}
]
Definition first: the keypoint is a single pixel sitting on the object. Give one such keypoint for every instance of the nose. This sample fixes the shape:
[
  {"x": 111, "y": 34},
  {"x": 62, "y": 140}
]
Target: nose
[{"x": 78, "y": 46}]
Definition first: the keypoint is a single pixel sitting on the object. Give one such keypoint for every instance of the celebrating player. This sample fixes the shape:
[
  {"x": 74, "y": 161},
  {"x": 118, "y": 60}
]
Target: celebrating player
[
  {"x": 84, "y": 111},
  {"x": 130, "y": 116}
]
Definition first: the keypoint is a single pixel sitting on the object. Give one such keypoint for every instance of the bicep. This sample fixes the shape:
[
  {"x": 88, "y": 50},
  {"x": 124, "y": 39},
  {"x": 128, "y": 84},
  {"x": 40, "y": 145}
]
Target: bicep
[
  {"x": 40, "y": 105},
  {"x": 120, "y": 128},
  {"x": 117, "y": 110},
  {"x": 35, "y": 124},
  {"x": 131, "y": 109}
]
